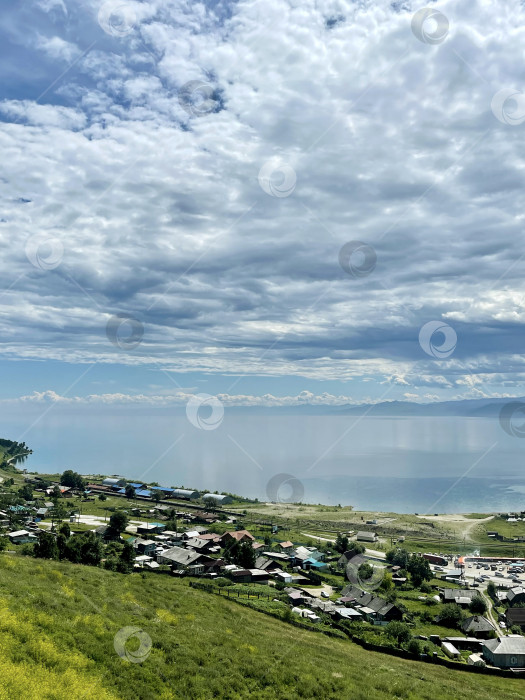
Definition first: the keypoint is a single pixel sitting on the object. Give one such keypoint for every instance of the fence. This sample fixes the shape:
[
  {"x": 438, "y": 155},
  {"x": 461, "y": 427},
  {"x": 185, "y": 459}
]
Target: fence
[{"x": 226, "y": 593}]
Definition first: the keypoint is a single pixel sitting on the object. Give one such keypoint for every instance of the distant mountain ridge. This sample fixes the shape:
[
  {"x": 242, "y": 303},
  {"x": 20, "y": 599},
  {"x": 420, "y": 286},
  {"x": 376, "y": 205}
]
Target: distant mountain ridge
[{"x": 467, "y": 408}]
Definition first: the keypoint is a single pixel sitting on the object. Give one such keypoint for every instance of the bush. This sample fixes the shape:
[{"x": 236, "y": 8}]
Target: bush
[
  {"x": 398, "y": 631},
  {"x": 221, "y": 581},
  {"x": 414, "y": 647},
  {"x": 451, "y": 615}
]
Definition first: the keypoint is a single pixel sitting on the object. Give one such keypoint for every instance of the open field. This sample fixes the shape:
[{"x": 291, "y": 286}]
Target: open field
[{"x": 58, "y": 624}]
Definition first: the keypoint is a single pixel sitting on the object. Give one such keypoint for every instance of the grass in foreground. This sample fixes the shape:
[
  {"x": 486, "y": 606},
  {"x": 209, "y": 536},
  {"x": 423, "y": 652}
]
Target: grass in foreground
[{"x": 58, "y": 622}]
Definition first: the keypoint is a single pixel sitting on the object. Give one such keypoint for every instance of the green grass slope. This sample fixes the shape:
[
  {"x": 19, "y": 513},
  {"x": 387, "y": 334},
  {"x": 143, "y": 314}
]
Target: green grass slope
[{"x": 58, "y": 623}]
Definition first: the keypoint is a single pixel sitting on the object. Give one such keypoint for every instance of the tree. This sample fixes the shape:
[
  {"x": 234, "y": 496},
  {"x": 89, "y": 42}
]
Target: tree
[
  {"x": 341, "y": 543},
  {"x": 57, "y": 493},
  {"x": 398, "y": 557},
  {"x": 62, "y": 546},
  {"x": 414, "y": 646},
  {"x": 451, "y": 615},
  {"x": 102, "y": 497},
  {"x": 491, "y": 589},
  {"x": 398, "y": 631},
  {"x": 118, "y": 522},
  {"x": 419, "y": 570},
  {"x": 91, "y": 549},
  {"x": 210, "y": 502},
  {"x": 126, "y": 559},
  {"x": 478, "y": 606},
  {"x": 365, "y": 571},
  {"x": 73, "y": 480},
  {"x": 4, "y": 543},
  {"x": 130, "y": 491},
  {"x": 65, "y": 530},
  {"x": 46, "y": 547},
  {"x": 157, "y": 496},
  {"x": 387, "y": 584},
  {"x": 26, "y": 492}
]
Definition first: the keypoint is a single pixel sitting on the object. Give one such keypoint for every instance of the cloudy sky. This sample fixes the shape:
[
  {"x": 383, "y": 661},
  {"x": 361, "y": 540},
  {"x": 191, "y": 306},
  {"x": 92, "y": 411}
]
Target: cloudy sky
[{"x": 275, "y": 201}]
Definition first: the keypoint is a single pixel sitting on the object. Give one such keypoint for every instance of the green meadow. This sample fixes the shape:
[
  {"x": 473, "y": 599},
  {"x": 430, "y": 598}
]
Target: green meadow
[{"x": 59, "y": 622}]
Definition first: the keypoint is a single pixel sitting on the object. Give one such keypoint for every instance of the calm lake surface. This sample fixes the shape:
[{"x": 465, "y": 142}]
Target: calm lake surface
[{"x": 423, "y": 465}]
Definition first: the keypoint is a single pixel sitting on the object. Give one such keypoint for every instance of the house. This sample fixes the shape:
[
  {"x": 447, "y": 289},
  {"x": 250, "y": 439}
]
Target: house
[
  {"x": 268, "y": 564},
  {"x": 282, "y": 576},
  {"x": 107, "y": 534},
  {"x": 304, "y": 553},
  {"x": 258, "y": 545},
  {"x": 286, "y": 547},
  {"x": 366, "y": 536},
  {"x": 505, "y": 652},
  {"x": 312, "y": 563},
  {"x": 145, "y": 547},
  {"x": 220, "y": 499},
  {"x": 182, "y": 557},
  {"x": 151, "y": 529},
  {"x": 201, "y": 545},
  {"x": 203, "y": 517},
  {"x": 347, "y": 614},
  {"x": 236, "y": 536},
  {"x": 21, "y": 537},
  {"x": 114, "y": 483},
  {"x": 450, "y": 650},
  {"x": 478, "y": 626},
  {"x": 371, "y": 606},
  {"x": 515, "y": 616},
  {"x": 516, "y": 596},
  {"x": 475, "y": 660},
  {"x": 461, "y": 596},
  {"x": 295, "y": 596},
  {"x": 259, "y": 576},
  {"x": 240, "y": 575}
]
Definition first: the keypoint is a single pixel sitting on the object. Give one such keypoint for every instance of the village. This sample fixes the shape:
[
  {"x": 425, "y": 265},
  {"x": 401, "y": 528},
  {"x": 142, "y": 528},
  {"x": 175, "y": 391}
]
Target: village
[{"x": 458, "y": 610}]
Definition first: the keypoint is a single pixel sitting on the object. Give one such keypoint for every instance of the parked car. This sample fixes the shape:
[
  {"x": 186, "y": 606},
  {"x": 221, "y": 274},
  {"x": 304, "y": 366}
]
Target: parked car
[
  {"x": 475, "y": 585},
  {"x": 498, "y": 573},
  {"x": 324, "y": 594}
]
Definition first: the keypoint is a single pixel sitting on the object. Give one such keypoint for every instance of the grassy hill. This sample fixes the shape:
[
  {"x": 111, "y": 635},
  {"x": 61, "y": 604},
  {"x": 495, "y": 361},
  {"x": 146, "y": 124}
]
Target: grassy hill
[{"x": 58, "y": 624}]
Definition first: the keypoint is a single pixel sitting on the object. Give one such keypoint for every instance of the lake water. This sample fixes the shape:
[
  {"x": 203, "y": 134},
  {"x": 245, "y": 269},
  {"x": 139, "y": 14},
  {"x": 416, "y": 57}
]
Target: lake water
[{"x": 423, "y": 465}]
